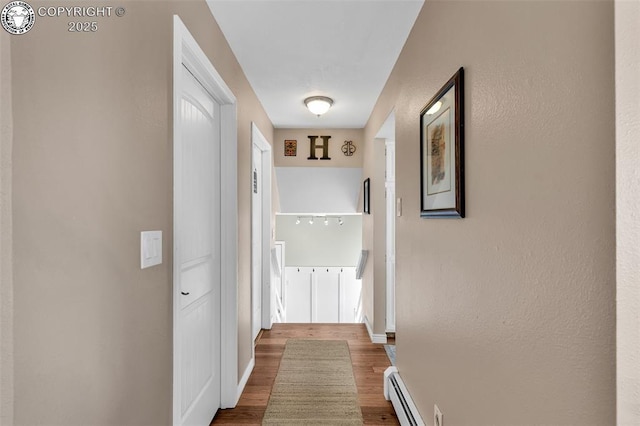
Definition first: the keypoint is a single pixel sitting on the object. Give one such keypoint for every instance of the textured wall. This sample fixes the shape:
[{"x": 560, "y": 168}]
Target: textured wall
[
  {"x": 627, "y": 19},
  {"x": 92, "y": 168},
  {"x": 508, "y": 316}
]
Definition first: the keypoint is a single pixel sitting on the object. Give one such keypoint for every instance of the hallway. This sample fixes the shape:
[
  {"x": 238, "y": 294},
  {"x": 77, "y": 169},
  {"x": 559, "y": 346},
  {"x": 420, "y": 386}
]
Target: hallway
[
  {"x": 523, "y": 312},
  {"x": 369, "y": 362}
]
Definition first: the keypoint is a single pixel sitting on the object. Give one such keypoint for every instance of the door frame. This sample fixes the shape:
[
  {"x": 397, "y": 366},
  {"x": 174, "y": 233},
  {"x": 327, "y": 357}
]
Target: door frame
[
  {"x": 187, "y": 51},
  {"x": 387, "y": 133},
  {"x": 264, "y": 182},
  {"x": 390, "y": 232}
]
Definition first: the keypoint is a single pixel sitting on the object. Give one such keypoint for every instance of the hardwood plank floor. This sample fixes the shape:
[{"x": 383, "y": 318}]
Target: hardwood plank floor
[{"x": 369, "y": 362}]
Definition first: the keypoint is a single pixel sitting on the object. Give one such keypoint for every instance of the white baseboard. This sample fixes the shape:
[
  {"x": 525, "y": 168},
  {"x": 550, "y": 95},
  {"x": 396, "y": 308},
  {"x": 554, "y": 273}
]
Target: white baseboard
[
  {"x": 375, "y": 338},
  {"x": 245, "y": 378}
]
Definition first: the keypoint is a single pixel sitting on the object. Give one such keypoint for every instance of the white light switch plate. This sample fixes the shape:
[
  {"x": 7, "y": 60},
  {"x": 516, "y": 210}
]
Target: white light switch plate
[{"x": 150, "y": 248}]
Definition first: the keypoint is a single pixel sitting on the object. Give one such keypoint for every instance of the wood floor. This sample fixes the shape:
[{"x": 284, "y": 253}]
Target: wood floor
[{"x": 369, "y": 362}]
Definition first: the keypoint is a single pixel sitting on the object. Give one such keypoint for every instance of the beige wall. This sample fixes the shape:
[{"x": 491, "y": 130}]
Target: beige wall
[
  {"x": 338, "y": 137},
  {"x": 92, "y": 167},
  {"x": 508, "y": 316},
  {"x": 627, "y": 19},
  {"x": 6, "y": 232}
]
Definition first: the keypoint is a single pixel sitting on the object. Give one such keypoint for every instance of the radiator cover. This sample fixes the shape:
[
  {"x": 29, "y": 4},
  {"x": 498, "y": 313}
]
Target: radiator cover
[{"x": 396, "y": 392}]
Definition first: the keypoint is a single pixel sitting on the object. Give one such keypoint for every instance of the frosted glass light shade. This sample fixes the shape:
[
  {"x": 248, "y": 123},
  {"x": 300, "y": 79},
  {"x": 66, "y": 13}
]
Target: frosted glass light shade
[
  {"x": 435, "y": 108},
  {"x": 318, "y": 104}
]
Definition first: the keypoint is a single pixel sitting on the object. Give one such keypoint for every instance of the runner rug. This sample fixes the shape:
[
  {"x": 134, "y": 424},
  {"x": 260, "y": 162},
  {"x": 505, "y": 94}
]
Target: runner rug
[{"x": 314, "y": 386}]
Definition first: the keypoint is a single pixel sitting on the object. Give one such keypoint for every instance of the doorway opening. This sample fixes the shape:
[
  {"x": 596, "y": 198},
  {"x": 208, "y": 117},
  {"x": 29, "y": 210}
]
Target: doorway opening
[
  {"x": 323, "y": 250},
  {"x": 388, "y": 133}
]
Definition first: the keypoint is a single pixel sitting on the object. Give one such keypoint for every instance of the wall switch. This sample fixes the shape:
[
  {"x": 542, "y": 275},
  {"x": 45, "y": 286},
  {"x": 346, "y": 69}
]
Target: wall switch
[
  {"x": 437, "y": 416},
  {"x": 150, "y": 248},
  {"x": 399, "y": 207}
]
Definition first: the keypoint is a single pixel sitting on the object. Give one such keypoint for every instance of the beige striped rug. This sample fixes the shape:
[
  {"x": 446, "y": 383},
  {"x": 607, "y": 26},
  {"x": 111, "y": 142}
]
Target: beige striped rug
[{"x": 314, "y": 386}]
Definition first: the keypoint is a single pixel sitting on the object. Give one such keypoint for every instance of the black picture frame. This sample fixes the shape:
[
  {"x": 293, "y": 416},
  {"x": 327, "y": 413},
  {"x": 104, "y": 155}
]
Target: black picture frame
[
  {"x": 365, "y": 191},
  {"x": 442, "y": 152}
]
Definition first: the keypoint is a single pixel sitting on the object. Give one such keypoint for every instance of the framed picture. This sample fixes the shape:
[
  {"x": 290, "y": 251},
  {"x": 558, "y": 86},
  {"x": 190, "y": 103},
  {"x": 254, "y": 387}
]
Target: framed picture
[
  {"x": 442, "y": 152},
  {"x": 365, "y": 197},
  {"x": 290, "y": 148}
]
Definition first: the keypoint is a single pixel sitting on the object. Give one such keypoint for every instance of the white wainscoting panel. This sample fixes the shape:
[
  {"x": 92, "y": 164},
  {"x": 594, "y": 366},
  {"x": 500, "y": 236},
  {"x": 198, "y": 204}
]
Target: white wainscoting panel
[
  {"x": 298, "y": 294},
  {"x": 322, "y": 294},
  {"x": 325, "y": 300}
]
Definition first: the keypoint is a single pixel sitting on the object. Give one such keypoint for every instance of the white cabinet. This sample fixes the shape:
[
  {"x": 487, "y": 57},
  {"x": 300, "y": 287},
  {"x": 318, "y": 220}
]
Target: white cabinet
[{"x": 322, "y": 295}]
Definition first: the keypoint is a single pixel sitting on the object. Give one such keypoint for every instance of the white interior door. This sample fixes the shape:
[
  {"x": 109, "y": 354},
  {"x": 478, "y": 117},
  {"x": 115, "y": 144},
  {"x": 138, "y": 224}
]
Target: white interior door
[
  {"x": 197, "y": 252},
  {"x": 390, "y": 188},
  {"x": 256, "y": 242},
  {"x": 263, "y": 300}
]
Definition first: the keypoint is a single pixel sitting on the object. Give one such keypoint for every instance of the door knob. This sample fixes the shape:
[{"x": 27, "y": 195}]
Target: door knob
[{"x": 184, "y": 294}]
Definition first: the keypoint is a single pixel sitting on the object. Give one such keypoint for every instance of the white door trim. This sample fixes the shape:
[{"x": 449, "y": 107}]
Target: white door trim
[
  {"x": 268, "y": 299},
  {"x": 186, "y": 51},
  {"x": 256, "y": 241},
  {"x": 390, "y": 189},
  {"x": 390, "y": 232}
]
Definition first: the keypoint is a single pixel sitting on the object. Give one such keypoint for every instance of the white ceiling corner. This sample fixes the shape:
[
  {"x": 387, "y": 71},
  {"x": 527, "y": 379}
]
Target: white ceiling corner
[{"x": 292, "y": 49}]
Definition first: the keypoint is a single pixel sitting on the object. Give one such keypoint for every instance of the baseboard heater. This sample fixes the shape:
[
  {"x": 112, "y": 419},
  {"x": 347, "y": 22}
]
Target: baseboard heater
[{"x": 396, "y": 392}]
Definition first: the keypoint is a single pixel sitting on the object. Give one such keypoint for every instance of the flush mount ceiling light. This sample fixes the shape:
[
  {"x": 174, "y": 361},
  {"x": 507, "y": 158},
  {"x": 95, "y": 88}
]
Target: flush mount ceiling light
[{"x": 318, "y": 104}]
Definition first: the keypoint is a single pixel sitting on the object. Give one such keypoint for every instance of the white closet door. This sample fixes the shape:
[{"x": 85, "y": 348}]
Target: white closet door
[
  {"x": 197, "y": 253},
  {"x": 326, "y": 295}
]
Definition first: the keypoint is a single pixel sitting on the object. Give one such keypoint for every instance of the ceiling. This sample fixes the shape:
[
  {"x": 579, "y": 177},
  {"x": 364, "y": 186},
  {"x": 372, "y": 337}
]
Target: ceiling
[{"x": 292, "y": 49}]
